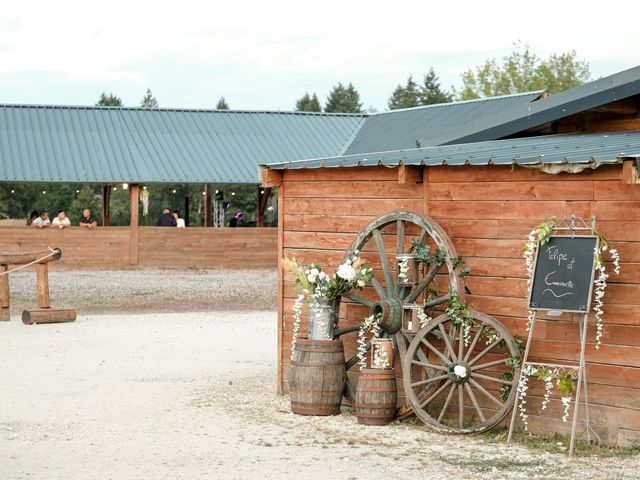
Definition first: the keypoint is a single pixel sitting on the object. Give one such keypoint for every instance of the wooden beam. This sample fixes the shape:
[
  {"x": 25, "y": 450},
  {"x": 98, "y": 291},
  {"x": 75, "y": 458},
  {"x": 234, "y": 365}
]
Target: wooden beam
[
  {"x": 42, "y": 282},
  {"x": 185, "y": 215},
  {"x": 134, "y": 223},
  {"x": 630, "y": 172},
  {"x": 280, "y": 380},
  {"x": 4, "y": 294},
  {"x": 271, "y": 178},
  {"x": 48, "y": 315},
  {"x": 263, "y": 199},
  {"x": 208, "y": 216},
  {"x": 409, "y": 174},
  {"x": 106, "y": 198}
]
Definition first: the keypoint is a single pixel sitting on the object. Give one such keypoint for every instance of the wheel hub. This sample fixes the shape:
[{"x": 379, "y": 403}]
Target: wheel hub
[
  {"x": 390, "y": 310},
  {"x": 459, "y": 372}
]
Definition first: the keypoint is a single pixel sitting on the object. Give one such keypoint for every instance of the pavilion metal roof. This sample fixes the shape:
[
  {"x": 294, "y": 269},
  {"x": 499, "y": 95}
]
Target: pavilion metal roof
[
  {"x": 113, "y": 145},
  {"x": 550, "y": 149},
  {"x": 425, "y": 126}
]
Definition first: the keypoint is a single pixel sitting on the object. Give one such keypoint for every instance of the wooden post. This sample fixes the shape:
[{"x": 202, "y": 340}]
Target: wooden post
[
  {"x": 263, "y": 198},
  {"x": 4, "y": 294},
  {"x": 106, "y": 198},
  {"x": 186, "y": 208},
  {"x": 42, "y": 281},
  {"x": 208, "y": 217},
  {"x": 134, "y": 220},
  {"x": 50, "y": 315},
  {"x": 280, "y": 377}
]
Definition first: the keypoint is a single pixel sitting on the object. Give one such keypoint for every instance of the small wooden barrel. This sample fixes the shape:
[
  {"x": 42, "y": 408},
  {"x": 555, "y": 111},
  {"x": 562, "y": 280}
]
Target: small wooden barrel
[
  {"x": 376, "y": 396},
  {"x": 316, "y": 377}
]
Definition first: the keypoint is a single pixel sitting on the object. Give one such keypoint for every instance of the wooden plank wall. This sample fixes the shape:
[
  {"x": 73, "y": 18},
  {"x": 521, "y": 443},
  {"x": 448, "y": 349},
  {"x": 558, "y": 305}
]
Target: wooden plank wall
[
  {"x": 108, "y": 247},
  {"x": 488, "y": 212}
]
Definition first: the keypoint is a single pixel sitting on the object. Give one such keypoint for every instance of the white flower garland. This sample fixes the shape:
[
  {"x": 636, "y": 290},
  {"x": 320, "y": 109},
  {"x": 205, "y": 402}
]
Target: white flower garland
[
  {"x": 423, "y": 318},
  {"x": 403, "y": 267},
  {"x": 381, "y": 356},
  {"x": 297, "y": 312},
  {"x": 523, "y": 385},
  {"x": 370, "y": 322},
  {"x": 529, "y": 260}
]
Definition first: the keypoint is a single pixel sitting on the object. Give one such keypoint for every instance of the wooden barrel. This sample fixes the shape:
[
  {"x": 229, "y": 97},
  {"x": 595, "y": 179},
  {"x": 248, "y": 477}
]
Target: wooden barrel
[
  {"x": 376, "y": 396},
  {"x": 316, "y": 377}
]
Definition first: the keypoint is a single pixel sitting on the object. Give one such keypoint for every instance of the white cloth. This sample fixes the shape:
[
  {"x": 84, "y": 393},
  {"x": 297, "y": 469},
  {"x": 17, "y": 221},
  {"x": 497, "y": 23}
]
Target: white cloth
[
  {"x": 57, "y": 221},
  {"x": 40, "y": 221},
  {"x": 180, "y": 223}
]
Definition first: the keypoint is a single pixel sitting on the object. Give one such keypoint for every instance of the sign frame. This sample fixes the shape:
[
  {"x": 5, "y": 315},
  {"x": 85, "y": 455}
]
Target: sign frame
[{"x": 587, "y": 310}]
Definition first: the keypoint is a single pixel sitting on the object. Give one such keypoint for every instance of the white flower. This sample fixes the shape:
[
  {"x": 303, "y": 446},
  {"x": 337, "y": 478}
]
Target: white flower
[
  {"x": 361, "y": 283},
  {"x": 346, "y": 272},
  {"x": 460, "y": 371},
  {"x": 322, "y": 276},
  {"x": 312, "y": 278}
]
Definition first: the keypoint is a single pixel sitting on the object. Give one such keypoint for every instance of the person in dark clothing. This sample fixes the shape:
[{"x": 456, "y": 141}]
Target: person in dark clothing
[
  {"x": 166, "y": 219},
  {"x": 32, "y": 217},
  {"x": 236, "y": 219},
  {"x": 87, "y": 220}
]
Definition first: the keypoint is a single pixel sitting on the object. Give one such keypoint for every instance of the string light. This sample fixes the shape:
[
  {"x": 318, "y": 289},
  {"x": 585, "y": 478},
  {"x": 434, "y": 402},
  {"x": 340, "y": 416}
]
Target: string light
[
  {"x": 125, "y": 186},
  {"x": 174, "y": 192},
  {"x": 12, "y": 192},
  {"x": 115, "y": 188},
  {"x": 77, "y": 191},
  {"x": 233, "y": 193},
  {"x": 44, "y": 192}
]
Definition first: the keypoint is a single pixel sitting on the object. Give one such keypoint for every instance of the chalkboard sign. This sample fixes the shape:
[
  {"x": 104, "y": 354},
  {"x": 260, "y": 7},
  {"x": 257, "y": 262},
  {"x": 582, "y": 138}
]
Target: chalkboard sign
[{"x": 563, "y": 274}]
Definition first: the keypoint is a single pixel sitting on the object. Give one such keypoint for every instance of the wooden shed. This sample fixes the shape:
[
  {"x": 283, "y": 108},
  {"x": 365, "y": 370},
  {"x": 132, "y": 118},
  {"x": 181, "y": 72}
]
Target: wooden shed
[{"x": 487, "y": 180}]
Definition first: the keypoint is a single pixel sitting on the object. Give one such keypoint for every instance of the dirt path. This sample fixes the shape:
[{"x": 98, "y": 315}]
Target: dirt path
[{"x": 179, "y": 396}]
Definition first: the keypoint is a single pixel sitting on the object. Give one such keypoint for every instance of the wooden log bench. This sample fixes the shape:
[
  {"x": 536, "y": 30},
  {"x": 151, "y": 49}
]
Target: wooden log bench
[{"x": 12, "y": 261}]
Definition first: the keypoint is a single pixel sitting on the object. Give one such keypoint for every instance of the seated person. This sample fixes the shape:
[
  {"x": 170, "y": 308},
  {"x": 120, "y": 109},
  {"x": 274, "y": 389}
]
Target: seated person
[
  {"x": 32, "y": 217},
  {"x": 42, "y": 221},
  {"x": 61, "y": 220},
  {"x": 179, "y": 220},
  {"x": 88, "y": 220},
  {"x": 238, "y": 217},
  {"x": 166, "y": 219}
]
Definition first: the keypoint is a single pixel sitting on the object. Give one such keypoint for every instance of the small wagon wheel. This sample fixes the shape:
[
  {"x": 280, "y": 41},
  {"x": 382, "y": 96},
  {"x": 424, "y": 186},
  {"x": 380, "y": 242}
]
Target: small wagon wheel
[
  {"x": 478, "y": 385},
  {"x": 388, "y": 296}
]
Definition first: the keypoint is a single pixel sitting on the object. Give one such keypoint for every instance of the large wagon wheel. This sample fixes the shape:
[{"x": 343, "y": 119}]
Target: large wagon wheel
[
  {"x": 388, "y": 297},
  {"x": 477, "y": 382}
]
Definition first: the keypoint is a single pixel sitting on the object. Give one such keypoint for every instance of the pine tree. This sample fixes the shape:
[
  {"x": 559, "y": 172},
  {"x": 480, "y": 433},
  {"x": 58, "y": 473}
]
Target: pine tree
[
  {"x": 110, "y": 100},
  {"x": 149, "y": 101},
  {"x": 308, "y": 104},
  {"x": 404, "y": 97},
  {"x": 343, "y": 99},
  {"x": 430, "y": 92},
  {"x": 222, "y": 104}
]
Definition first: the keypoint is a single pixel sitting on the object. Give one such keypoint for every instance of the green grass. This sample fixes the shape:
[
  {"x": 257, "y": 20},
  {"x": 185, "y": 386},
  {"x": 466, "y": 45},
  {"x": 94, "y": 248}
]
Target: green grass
[
  {"x": 482, "y": 465},
  {"x": 559, "y": 444}
]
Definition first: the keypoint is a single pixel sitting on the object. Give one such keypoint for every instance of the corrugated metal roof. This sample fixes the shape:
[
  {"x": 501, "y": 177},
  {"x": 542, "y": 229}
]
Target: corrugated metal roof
[
  {"x": 574, "y": 148},
  {"x": 113, "y": 145},
  {"x": 523, "y": 117},
  {"x": 424, "y": 126}
]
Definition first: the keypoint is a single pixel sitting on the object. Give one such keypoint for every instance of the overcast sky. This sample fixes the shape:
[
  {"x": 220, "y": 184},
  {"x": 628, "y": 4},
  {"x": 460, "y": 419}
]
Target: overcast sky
[{"x": 265, "y": 55}]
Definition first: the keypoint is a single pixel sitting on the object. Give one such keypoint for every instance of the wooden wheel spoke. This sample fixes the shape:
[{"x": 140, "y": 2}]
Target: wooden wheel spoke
[
  {"x": 488, "y": 365},
  {"x": 358, "y": 299},
  {"x": 460, "y": 407},
  {"x": 435, "y": 394},
  {"x": 474, "y": 401},
  {"x": 377, "y": 236},
  {"x": 447, "y": 402},
  {"x": 400, "y": 233},
  {"x": 423, "y": 284},
  {"x": 429, "y": 380},
  {"x": 480, "y": 388},
  {"x": 492, "y": 379},
  {"x": 474, "y": 342},
  {"x": 485, "y": 351},
  {"x": 341, "y": 331},
  {"x": 461, "y": 343},
  {"x": 378, "y": 288},
  {"x": 448, "y": 343},
  {"x": 430, "y": 365},
  {"x": 437, "y": 301},
  {"x": 436, "y": 351}
]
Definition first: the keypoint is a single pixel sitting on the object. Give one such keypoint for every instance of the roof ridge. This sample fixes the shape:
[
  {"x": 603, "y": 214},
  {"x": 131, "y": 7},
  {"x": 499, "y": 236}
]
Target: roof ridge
[
  {"x": 462, "y": 102},
  {"x": 180, "y": 109}
]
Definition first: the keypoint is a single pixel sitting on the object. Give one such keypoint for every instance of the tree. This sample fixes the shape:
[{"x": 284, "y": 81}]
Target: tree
[
  {"x": 343, "y": 99},
  {"x": 110, "y": 100},
  {"x": 430, "y": 92},
  {"x": 523, "y": 71},
  {"x": 404, "y": 97},
  {"x": 149, "y": 101},
  {"x": 222, "y": 104},
  {"x": 308, "y": 104}
]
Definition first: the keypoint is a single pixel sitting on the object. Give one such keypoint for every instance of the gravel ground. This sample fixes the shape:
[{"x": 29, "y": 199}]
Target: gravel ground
[
  {"x": 151, "y": 290},
  {"x": 192, "y": 395}
]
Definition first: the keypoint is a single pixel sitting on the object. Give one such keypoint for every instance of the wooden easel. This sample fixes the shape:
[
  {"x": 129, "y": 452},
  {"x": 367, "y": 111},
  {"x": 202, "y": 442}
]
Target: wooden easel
[
  {"x": 570, "y": 225},
  {"x": 44, "y": 313}
]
